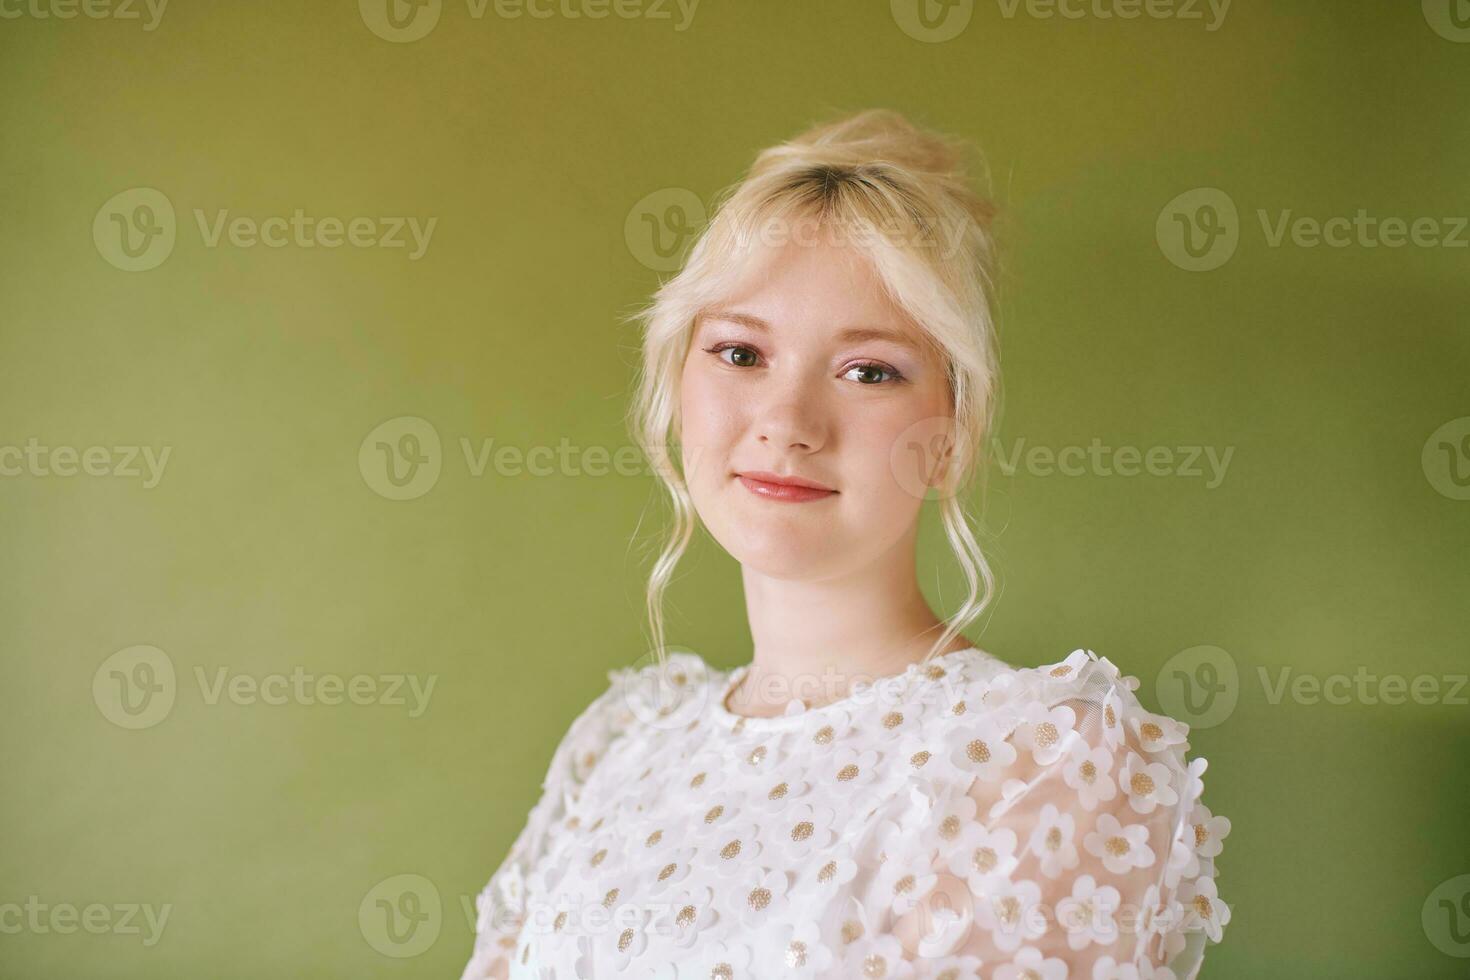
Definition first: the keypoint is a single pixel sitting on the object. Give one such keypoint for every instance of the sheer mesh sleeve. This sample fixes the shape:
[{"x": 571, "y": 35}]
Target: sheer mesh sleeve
[
  {"x": 1072, "y": 844},
  {"x": 502, "y": 905}
]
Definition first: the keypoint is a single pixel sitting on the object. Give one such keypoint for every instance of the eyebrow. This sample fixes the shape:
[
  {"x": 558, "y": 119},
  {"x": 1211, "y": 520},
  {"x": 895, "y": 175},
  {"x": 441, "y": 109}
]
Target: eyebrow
[{"x": 848, "y": 334}]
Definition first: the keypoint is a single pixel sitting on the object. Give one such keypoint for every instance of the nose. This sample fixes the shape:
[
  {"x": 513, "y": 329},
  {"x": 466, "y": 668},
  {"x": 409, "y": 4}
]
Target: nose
[{"x": 792, "y": 422}]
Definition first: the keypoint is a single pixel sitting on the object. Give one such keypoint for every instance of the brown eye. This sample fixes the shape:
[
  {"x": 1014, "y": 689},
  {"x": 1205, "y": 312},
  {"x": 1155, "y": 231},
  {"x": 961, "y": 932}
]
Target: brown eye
[
  {"x": 873, "y": 374},
  {"x": 739, "y": 353}
]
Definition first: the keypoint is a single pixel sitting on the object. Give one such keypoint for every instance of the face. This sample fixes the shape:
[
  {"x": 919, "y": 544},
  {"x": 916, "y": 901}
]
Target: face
[{"x": 808, "y": 371}]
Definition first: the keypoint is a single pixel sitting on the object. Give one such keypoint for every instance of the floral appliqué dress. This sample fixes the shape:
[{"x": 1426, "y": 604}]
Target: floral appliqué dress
[{"x": 964, "y": 819}]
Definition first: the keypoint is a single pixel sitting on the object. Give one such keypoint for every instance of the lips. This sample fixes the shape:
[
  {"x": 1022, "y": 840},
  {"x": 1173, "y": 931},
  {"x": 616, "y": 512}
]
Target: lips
[{"x": 773, "y": 486}]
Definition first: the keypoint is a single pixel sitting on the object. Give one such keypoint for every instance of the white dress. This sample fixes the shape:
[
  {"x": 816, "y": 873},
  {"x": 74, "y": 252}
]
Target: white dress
[{"x": 963, "y": 819}]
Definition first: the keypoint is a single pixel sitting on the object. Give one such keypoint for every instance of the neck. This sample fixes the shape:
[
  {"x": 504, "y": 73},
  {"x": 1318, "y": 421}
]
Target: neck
[{"x": 813, "y": 640}]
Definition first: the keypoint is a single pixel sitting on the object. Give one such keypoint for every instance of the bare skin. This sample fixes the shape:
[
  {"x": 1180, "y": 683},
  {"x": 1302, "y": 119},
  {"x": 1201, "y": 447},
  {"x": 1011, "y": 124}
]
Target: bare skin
[{"x": 831, "y": 589}]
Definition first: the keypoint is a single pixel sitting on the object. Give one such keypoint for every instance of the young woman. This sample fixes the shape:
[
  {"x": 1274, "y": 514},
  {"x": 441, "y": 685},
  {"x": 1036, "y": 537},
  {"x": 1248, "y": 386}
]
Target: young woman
[{"x": 872, "y": 795}]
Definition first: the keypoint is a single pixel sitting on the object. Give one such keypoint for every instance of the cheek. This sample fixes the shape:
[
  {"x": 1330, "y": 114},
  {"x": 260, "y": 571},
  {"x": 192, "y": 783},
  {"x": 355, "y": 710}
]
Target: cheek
[
  {"x": 889, "y": 448},
  {"x": 708, "y": 421}
]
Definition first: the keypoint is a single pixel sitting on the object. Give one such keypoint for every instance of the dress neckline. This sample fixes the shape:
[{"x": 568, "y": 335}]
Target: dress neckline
[{"x": 729, "y": 680}]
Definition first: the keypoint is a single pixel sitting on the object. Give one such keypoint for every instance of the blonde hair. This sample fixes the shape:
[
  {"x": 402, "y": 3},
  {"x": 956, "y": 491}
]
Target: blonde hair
[{"x": 902, "y": 193}]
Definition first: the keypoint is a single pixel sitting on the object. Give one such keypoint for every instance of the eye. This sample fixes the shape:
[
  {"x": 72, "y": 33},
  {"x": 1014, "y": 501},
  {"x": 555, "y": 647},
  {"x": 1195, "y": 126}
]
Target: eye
[
  {"x": 871, "y": 368},
  {"x": 742, "y": 350},
  {"x": 872, "y": 373}
]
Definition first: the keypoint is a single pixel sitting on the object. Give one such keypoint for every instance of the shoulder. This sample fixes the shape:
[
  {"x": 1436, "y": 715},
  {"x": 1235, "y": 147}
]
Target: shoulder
[
  {"x": 681, "y": 668},
  {"x": 656, "y": 693},
  {"x": 644, "y": 688},
  {"x": 1075, "y": 719},
  {"x": 1086, "y": 692},
  {"x": 639, "y": 698},
  {"x": 1068, "y": 748}
]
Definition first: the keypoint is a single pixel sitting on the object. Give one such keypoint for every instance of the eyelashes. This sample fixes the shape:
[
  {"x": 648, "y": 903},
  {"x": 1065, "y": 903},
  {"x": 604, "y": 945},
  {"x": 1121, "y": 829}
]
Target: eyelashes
[
  {"x": 719, "y": 349},
  {"x": 894, "y": 376}
]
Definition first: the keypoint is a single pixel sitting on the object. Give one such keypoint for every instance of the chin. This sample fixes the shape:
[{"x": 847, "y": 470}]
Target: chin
[
  {"x": 784, "y": 567},
  {"x": 779, "y": 540},
  {"x": 788, "y": 556}
]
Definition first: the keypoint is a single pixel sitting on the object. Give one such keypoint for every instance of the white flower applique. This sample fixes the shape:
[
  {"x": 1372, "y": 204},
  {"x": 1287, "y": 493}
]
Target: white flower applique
[
  {"x": 1088, "y": 769},
  {"x": 839, "y": 841},
  {"x": 1147, "y": 784},
  {"x": 1052, "y": 841},
  {"x": 1046, "y": 732},
  {"x": 1120, "y": 848}
]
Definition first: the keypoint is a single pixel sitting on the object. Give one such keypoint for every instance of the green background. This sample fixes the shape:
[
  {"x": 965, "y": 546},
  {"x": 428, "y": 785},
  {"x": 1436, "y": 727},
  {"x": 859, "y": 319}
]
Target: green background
[{"x": 1327, "y": 547}]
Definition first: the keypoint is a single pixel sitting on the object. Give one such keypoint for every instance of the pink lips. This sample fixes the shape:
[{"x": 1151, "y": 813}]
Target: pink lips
[{"x": 789, "y": 488}]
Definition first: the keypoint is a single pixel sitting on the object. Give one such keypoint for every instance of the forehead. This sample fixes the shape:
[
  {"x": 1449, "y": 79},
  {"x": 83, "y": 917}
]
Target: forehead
[
  {"x": 814, "y": 288},
  {"x": 854, "y": 333}
]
